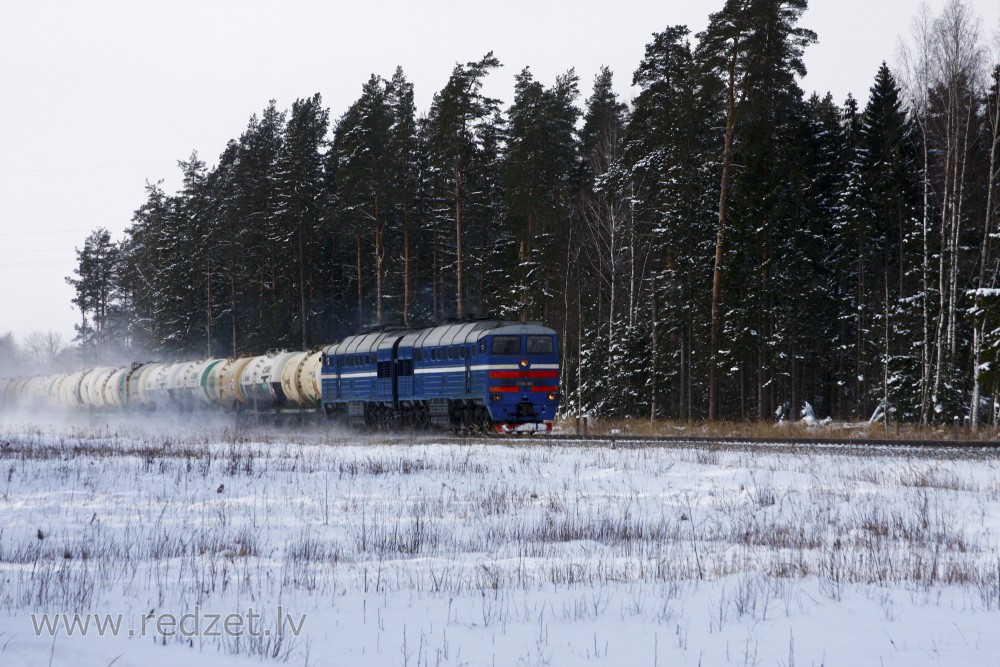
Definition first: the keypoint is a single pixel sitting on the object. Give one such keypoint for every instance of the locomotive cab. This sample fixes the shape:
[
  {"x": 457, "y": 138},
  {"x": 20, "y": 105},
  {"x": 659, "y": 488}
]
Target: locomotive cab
[{"x": 522, "y": 367}]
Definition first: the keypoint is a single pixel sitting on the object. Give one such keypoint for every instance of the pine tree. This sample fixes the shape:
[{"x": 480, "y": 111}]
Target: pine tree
[
  {"x": 457, "y": 118},
  {"x": 253, "y": 260},
  {"x": 489, "y": 263},
  {"x": 299, "y": 195},
  {"x": 670, "y": 160},
  {"x": 192, "y": 245},
  {"x": 540, "y": 163},
  {"x": 404, "y": 175},
  {"x": 363, "y": 180},
  {"x": 94, "y": 284},
  {"x": 755, "y": 47},
  {"x": 226, "y": 218}
]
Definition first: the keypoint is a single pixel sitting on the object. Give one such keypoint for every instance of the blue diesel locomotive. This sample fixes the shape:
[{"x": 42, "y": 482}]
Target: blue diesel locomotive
[{"x": 485, "y": 375}]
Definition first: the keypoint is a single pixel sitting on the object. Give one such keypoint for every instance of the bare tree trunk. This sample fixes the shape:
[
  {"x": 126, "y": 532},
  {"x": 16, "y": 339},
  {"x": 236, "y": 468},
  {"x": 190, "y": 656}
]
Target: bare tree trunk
[
  {"x": 406, "y": 266},
  {"x": 208, "y": 318},
  {"x": 379, "y": 264},
  {"x": 958, "y": 58},
  {"x": 985, "y": 254},
  {"x": 917, "y": 69},
  {"x": 302, "y": 287},
  {"x": 361, "y": 302},
  {"x": 232, "y": 305},
  {"x": 925, "y": 271},
  {"x": 654, "y": 354},
  {"x": 766, "y": 386},
  {"x": 435, "y": 274},
  {"x": 715, "y": 337},
  {"x": 860, "y": 371},
  {"x": 564, "y": 348},
  {"x": 579, "y": 341},
  {"x": 885, "y": 357},
  {"x": 613, "y": 274},
  {"x": 459, "y": 306},
  {"x": 524, "y": 257},
  {"x": 632, "y": 285}
]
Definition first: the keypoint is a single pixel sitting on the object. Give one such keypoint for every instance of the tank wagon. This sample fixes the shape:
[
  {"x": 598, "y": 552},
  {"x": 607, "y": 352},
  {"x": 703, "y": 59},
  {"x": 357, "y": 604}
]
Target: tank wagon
[{"x": 483, "y": 375}]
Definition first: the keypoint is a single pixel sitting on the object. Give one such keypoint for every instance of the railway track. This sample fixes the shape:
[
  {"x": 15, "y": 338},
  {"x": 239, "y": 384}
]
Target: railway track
[{"x": 628, "y": 440}]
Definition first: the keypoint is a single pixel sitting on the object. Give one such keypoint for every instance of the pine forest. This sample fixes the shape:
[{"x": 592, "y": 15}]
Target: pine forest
[{"x": 721, "y": 246}]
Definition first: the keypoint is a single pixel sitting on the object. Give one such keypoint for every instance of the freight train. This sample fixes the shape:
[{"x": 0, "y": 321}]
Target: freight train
[{"x": 482, "y": 375}]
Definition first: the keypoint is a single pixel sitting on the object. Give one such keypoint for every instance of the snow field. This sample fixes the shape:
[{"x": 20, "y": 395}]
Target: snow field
[{"x": 403, "y": 551}]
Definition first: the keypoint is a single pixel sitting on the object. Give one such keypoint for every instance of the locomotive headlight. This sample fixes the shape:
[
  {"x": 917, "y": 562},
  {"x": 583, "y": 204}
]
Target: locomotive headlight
[
  {"x": 553, "y": 397},
  {"x": 524, "y": 363}
]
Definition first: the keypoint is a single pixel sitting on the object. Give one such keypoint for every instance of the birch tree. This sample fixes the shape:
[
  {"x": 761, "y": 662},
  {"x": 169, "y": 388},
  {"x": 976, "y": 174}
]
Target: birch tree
[{"x": 944, "y": 63}]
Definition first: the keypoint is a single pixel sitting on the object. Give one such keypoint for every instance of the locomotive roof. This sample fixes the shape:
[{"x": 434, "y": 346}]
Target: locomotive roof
[
  {"x": 362, "y": 343},
  {"x": 446, "y": 334},
  {"x": 469, "y": 332}
]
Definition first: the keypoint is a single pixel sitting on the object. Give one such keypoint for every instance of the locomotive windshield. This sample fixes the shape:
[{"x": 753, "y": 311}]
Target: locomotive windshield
[
  {"x": 540, "y": 345},
  {"x": 506, "y": 345}
]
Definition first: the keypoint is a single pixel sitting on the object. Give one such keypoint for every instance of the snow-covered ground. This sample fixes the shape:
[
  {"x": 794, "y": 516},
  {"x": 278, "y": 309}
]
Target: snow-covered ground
[{"x": 400, "y": 550}]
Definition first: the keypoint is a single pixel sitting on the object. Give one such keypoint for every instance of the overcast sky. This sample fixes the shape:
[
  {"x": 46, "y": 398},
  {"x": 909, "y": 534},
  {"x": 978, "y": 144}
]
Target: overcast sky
[{"x": 101, "y": 96}]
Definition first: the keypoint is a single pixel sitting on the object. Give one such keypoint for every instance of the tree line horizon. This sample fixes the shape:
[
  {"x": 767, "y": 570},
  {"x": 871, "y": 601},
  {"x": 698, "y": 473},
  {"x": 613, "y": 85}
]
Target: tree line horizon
[{"x": 721, "y": 247}]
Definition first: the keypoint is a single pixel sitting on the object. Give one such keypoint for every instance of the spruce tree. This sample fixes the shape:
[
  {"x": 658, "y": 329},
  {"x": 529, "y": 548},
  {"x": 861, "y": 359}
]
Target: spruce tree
[
  {"x": 885, "y": 216},
  {"x": 144, "y": 262}
]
